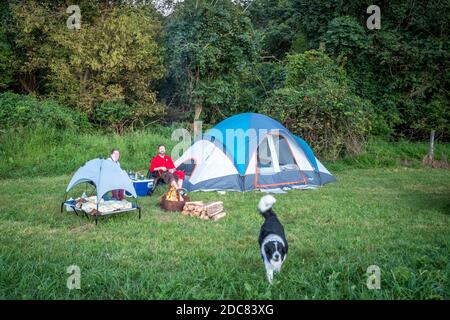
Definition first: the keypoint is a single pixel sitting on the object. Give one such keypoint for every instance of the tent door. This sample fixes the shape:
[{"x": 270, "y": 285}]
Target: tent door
[{"x": 276, "y": 165}]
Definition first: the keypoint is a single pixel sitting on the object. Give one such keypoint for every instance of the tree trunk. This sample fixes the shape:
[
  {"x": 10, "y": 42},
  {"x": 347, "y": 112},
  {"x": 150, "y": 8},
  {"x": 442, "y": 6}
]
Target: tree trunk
[
  {"x": 197, "y": 111},
  {"x": 197, "y": 129},
  {"x": 28, "y": 82},
  {"x": 197, "y": 125},
  {"x": 431, "y": 147},
  {"x": 428, "y": 159}
]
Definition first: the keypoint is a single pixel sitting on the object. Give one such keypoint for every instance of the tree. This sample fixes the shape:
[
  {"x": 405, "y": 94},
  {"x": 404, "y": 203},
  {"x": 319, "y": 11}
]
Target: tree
[
  {"x": 318, "y": 104},
  {"x": 345, "y": 37},
  {"x": 402, "y": 68},
  {"x": 210, "y": 48},
  {"x": 6, "y": 65},
  {"x": 115, "y": 56},
  {"x": 30, "y": 25}
]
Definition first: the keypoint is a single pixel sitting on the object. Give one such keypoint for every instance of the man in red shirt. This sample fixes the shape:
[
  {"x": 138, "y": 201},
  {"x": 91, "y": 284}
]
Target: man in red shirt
[{"x": 162, "y": 162}]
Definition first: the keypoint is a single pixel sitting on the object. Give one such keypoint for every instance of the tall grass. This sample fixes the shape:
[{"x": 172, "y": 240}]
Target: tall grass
[
  {"x": 50, "y": 152},
  {"x": 380, "y": 153}
]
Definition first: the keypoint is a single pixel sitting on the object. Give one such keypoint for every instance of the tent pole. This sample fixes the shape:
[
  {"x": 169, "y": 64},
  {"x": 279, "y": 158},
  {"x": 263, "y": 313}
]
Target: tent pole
[
  {"x": 62, "y": 203},
  {"x": 96, "y": 191},
  {"x": 139, "y": 208}
]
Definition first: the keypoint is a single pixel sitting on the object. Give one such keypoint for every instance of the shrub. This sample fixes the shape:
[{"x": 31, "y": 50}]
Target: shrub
[
  {"x": 345, "y": 36},
  {"x": 119, "y": 115},
  {"x": 318, "y": 105},
  {"x": 19, "y": 111}
]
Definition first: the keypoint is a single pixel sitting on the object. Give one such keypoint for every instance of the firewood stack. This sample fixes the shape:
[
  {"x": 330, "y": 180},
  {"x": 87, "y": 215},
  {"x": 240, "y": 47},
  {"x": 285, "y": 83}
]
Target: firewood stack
[{"x": 206, "y": 211}]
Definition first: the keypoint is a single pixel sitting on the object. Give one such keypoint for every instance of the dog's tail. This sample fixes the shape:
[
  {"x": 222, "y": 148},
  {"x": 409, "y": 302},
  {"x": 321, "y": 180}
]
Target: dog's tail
[{"x": 265, "y": 205}]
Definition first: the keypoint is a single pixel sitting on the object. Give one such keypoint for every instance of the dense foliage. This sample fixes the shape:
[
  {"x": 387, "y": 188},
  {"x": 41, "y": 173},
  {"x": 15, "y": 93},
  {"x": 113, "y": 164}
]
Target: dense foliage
[
  {"x": 6, "y": 72},
  {"x": 314, "y": 65},
  {"x": 19, "y": 111},
  {"x": 118, "y": 116},
  {"x": 114, "y": 56},
  {"x": 402, "y": 68},
  {"x": 210, "y": 50},
  {"x": 318, "y": 104}
]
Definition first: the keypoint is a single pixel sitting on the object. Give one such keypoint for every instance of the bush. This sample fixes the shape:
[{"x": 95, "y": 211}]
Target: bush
[
  {"x": 19, "y": 111},
  {"x": 119, "y": 115},
  {"x": 345, "y": 37},
  {"x": 318, "y": 105}
]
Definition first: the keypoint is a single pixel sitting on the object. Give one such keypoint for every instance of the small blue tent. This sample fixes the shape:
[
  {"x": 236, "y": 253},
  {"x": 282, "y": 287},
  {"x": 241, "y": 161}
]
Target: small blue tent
[
  {"x": 105, "y": 175},
  {"x": 250, "y": 151}
]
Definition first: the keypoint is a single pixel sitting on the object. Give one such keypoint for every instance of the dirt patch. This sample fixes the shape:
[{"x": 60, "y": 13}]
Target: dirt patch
[
  {"x": 405, "y": 162},
  {"x": 82, "y": 228},
  {"x": 443, "y": 164},
  {"x": 165, "y": 217}
]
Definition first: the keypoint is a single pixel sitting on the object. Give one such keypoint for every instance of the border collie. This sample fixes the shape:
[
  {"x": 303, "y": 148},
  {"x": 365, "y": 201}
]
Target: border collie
[{"x": 272, "y": 241}]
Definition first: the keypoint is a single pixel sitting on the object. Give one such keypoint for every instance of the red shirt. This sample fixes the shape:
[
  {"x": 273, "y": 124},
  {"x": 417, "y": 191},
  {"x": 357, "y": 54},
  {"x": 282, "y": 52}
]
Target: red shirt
[{"x": 159, "y": 161}]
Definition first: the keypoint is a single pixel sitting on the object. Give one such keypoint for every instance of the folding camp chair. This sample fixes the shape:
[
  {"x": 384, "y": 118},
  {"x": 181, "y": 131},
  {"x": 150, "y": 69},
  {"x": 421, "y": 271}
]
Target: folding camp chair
[{"x": 158, "y": 180}]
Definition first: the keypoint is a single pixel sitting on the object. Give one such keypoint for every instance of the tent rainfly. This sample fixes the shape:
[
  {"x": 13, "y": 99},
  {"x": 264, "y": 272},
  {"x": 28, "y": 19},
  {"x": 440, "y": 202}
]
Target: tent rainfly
[{"x": 250, "y": 151}]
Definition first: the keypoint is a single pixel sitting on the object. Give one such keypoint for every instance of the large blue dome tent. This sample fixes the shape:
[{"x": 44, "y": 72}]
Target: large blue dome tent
[{"x": 250, "y": 151}]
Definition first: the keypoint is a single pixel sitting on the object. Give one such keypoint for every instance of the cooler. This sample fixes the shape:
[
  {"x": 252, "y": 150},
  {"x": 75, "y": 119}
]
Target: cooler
[{"x": 143, "y": 187}]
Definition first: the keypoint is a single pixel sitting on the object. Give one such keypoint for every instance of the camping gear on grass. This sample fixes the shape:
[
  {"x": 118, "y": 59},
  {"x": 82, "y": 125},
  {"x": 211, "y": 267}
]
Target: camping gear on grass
[
  {"x": 105, "y": 176},
  {"x": 143, "y": 187},
  {"x": 250, "y": 151},
  {"x": 89, "y": 205}
]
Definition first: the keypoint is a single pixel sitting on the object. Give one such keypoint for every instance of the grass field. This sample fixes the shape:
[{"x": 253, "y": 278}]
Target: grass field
[{"x": 397, "y": 219}]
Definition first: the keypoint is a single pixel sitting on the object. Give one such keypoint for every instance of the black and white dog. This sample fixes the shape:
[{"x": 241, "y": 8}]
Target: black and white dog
[{"x": 272, "y": 241}]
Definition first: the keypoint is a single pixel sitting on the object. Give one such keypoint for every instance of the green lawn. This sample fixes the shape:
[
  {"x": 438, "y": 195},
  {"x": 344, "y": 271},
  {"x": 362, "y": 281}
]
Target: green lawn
[{"x": 397, "y": 219}]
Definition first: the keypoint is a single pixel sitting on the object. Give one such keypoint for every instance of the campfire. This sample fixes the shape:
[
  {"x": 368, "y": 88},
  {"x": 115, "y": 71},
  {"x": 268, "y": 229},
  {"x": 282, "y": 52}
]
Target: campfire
[
  {"x": 172, "y": 200},
  {"x": 173, "y": 195}
]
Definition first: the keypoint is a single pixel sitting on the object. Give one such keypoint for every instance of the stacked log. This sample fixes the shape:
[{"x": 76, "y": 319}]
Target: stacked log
[{"x": 206, "y": 211}]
